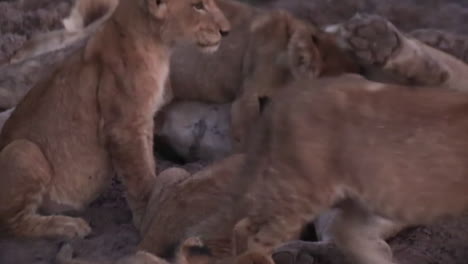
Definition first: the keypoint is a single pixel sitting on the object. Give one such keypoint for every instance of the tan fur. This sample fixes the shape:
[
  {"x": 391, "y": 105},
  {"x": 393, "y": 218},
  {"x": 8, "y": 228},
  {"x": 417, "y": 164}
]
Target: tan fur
[
  {"x": 157, "y": 239},
  {"x": 264, "y": 51},
  {"x": 205, "y": 193},
  {"x": 411, "y": 166},
  {"x": 94, "y": 116},
  {"x": 364, "y": 37},
  {"x": 167, "y": 226},
  {"x": 379, "y": 228},
  {"x": 282, "y": 49},
  {"x": 165, "y": 230}
]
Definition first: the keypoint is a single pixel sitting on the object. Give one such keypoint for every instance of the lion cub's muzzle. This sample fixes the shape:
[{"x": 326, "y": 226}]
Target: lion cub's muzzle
[
  {"x": 210, "y": 37},
  {"x": 209, "y": 41}
]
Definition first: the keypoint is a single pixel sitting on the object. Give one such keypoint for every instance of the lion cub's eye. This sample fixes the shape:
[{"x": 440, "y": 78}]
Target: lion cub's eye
[{"x": 199, "y": 6}]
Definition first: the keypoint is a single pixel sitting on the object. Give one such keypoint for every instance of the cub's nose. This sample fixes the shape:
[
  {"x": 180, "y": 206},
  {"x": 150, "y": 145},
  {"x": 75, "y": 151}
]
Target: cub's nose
[{"x": 224, "y": 33}]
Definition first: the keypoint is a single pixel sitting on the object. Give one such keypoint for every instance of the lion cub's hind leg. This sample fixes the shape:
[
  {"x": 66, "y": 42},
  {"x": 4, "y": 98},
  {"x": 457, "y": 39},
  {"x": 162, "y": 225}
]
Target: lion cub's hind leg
[
  {"x": 25, "y": 175},
  {"x": 356, "y": 238},
  {"x": 378, "y": 44},
  {"x": 263, "y": 233},
  {"x": 357, "y": 233}
]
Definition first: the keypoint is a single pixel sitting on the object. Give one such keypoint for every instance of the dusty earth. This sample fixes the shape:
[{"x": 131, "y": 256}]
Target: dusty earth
[{"x": 113, "y": 234}]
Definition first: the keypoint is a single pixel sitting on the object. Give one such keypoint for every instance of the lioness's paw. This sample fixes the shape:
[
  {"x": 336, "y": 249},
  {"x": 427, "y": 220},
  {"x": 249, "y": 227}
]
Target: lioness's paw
[
  {"x": 454, "y": 44},
  {"x": 70, "y": 227},
  {"x": 65, "y": 254},
  {"x": 371, "y": 38}
]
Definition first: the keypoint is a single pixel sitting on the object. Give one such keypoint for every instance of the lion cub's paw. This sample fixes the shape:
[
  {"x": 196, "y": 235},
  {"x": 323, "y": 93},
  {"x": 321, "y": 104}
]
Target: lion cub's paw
[
  {"x": 371, "y": 38},
  {"x": 304, "y": 252},
  {"x": 70, "y": 227},
  {"x": 192, "y": 242}
]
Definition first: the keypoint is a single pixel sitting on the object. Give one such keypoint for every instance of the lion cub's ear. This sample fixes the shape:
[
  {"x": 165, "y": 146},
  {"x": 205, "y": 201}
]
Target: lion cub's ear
[
  {"x": 157, "y": 8},
  {"x": 303, "y": 55}
]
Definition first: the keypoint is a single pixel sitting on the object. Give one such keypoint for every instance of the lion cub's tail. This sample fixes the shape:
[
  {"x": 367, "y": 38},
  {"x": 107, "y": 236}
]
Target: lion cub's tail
[{"x": 86, "y": 17}]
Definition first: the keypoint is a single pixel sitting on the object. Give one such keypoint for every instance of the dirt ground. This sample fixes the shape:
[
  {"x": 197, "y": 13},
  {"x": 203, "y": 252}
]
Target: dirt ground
[{"x": 113, "y": 234}]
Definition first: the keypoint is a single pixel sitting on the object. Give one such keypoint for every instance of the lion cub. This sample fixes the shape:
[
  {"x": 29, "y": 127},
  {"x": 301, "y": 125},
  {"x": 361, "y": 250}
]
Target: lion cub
[
  {"x": 94, "y": 117},
  {"x": 368, "y": 148},
  {"x": 190, "y": 251},
  {"x": 204, "y": 194},
  {"x": 183, "y": 255}
]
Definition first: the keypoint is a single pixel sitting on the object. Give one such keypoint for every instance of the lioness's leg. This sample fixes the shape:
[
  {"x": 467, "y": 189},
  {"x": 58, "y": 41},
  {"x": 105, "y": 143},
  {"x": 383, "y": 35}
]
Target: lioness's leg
[
  {"x": 25, "y": 175},
  {"x": 453, "y": 44},
  {"x": 375, "y": 42}
]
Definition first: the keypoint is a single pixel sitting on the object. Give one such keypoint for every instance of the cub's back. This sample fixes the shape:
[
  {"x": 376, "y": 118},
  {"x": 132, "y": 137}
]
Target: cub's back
[{"x": 379, "y": 140}]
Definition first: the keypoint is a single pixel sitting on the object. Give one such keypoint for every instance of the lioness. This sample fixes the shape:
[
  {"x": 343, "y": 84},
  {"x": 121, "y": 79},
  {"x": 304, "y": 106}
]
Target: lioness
[
  {"x": 411, "y": 167},
  {"x": 94, "y": 116}
]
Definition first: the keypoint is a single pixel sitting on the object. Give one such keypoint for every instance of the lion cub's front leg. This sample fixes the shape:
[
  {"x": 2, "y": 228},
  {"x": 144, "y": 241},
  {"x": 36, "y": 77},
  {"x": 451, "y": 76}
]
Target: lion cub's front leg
[
  {"x": 376, "y": 42},
  {"x": 130, "y": 146},
  {"x": 127, "y": 108}
]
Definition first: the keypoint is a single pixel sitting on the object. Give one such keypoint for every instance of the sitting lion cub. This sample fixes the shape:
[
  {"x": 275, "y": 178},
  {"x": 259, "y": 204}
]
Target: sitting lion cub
[
  {"x": 94, "y": 117},
  {"x": 371, "y": 149}
]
